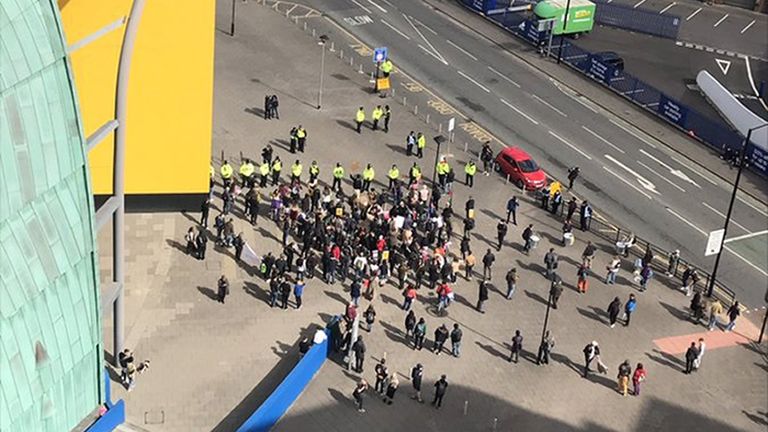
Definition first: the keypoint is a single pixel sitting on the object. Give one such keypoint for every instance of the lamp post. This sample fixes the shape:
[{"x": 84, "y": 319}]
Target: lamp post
[
  {"x": 322, "y": 40},
  {"x": 562, "y": 33},
  {"x": 742, "y": 162},
  {"x": 232, "y": 24},
  {"x": 546, "y": 322},
  {"x": 765, "y": 320},
  {"x": 439, "y": 140}
]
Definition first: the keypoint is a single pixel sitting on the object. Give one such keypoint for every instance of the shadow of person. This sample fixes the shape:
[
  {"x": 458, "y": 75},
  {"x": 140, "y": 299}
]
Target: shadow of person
[
  {"x": 336, "y": 296},
  {"x": 258, "y": 293},
  {"x": 602, "y": 380},
  {"x": 347, "y": 125},
  {"x": 397, "y": 149},
  {"x": 490, "y": 349},
  {"x": 761, "y": 418},
  {"x": 176, "y": 245},
  {"x": 339, "y": 396},
  {"x": 590, "y": 315},
  {"x": 259, "y": 112},
  {"x": 565, "y": 360},
  {"x": 535, "y": 297},
  {"x": 211, "y": 294},
  {"x": 665, "y": 359},
  {"x": 393, "y": 333},
  {"x": 675, "y": 312}
]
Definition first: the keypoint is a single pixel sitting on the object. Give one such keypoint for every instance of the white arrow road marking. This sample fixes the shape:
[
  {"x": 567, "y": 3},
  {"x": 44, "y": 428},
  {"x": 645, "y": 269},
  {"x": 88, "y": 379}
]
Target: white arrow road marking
[
  {"x": 660, "y": 176},
  {"x": 724, "y": 65},
  {"x": 434, "y": 52},
  {"x": 645, "y": 183},
  {"x": 675, "y": 172},
  {"x": 628, "y": 183}
]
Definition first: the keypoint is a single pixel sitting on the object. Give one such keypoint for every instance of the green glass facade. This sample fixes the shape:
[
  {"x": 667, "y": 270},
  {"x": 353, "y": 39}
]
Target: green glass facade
[{"x": 50, "y": 332}]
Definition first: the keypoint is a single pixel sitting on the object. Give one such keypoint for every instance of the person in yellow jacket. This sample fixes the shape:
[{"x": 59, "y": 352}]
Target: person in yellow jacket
[
  {"x": 212, "y": 173},
  {"x": 442, "y": 171},
  {"x": 368, "y": 175},
  {"x": 421, "y": 143},
  {"x": 393, "y": 175},
  {"x": 246, "y": 173},
  {"x": 314, "y": 171},
  {"x": 264, "y": 169},
  {"x": 386, "y": 68},
  {"x": 296, "y": 170},
  {"x": 277, "y": 166},
  {"x": 338, "y": 175},
  {"x": 301, "y": 136},
  {"x": 469, "y": 172},
  {"x": 376, "y": 116},
  {"x": 415, "y": 174},
  {"x": 360, "y": 118},
  {"x": 226, "y": 173}
]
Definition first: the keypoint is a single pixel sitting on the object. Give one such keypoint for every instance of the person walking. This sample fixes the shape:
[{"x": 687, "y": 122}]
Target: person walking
[
  {"x": 690, "y": 357},
  {"x": 625, "y": 371},
  {"x": 393, "y": 383},
  {"x": 511, "y": 279},
  {"x": 387, "y": 118},
  {"x": 517, "y": 347},
  {"x": 417, "y": 374},
  {"x": 360, "y": 118},
  {"x": 582, "y": 284},
  {"x": 285, "y": 293},
  {"x": 410, "y": 325},
  {"x": 360, "y": 389},
  {"x": 440, "y": 388},
  {"x": 482, "y": 295},
  {"x": 419, "y": 333},
  {"x": 613, "y": 270},
  {"x": 672, "y": 262},
  {"x": 555, "y": 289},
  {"x": 223, "y": 289},
  {"x": 408, "y": 295},
  {"x": 528, "y": 235},
  {"x": 613, "y": 311},
  {"x": 469, "y": 265},
  {"x": 512, "y": 205},
  {"x": 501, "y": 232},
  {"x": 470, "y": 169},
  {"x": 488, "y": 260},
  {"x": 637, "y": 379},
  {"x": 715, "y": 309},
  {"x": 629, "y": 307},
  {"x": 298, "y": 292},
  {"x": 376, "y": 115},
  {"x": 588, "y": 255},
  {"x": 456, "y": 336},
  {"x": 441, "y": 335},
  {"x": 205, "y": 209},
  {"x": 191, "y": 239},
  {"x": 701, "y": 347},
  {"x": 585, "y": 215},
  {"x": 591, "y": 351},
  {"x": 370, "y": 317},
  {"x": 545, "y": 348},
  {"x": 733, "y": 313},
  {"x": 550, "y": 261},
  {"x": 382, "y": 373},
  {"x": 359, "y": 349}
]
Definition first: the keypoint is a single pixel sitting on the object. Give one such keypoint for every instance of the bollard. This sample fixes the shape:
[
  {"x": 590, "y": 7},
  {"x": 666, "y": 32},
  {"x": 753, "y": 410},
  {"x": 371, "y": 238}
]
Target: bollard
[
  {"x": 507, "y": 179},
  {"x": 296, "y": 20},
  {"x": 332, "y": 47},
  {"x": 466, "y": 404},
  {"x": 305, "y": 26},
  {"x": 341, "y": 54},
  {"x": 466, "y": 146},
  {"x": 439, "y": 128},
  {"x": 393, "y": 92},
  {"x": 372, "y": 79},
  {"x": 351, "y": 61},
  {"x": 286, "y": 14},
  {"x": 361, "y": 68},
  {"x": 427, "y": 119},
  {"x": 313, "y": 33},
  {"x": 495, "y": 423},
  {"x": 416, "y": 110}
]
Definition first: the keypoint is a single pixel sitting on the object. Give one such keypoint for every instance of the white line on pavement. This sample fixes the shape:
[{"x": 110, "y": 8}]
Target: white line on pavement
[
  {"x": 687, "y": 222},
  {"x": 461, "y": 49},
  {"x": 473, "y": 81},
  {"x": 549, "y": 105},
  {"x": 693, "y": 14},
  {"x": 677, "y": 173},
  {"x": 377, "y": 6},
  {"x": 603, "y": 139},
  {"x": 721, "y": 20},
  {"x": 396, "y": 30},
  {"x": 503, "y": 77},
  {"x": 627, "y": 130},
  {"x": 746, "y": 236},
  {"x": 425, "y": 26},
  {"x": 695, "y": 171},
  {"x": 638, "y": 4},
  {"x": 747, "y": 27},
  {"x": 389, "y": 3},
  {"x": 570, "y": 145},
  {"x": 719, "y": 213},
  {"x": 752, "y": 83},
  {"x": 660, "y": 175},
  {"x": 667, "y": 8},
  {"x": 434, "y": 52},
  {"x": 644, "y": 182},
  {"x": 433, "y": 55},
  {"x": 762, "y": 212},
  {"x": 519, "y": 112},
  {"x": 627, "y": 182},
  {"x": 361, "y": 6}
]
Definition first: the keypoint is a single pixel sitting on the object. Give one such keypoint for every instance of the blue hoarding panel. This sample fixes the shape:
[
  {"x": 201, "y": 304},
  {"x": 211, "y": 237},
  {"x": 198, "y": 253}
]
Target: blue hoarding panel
[{"x": 673, "y": 111}]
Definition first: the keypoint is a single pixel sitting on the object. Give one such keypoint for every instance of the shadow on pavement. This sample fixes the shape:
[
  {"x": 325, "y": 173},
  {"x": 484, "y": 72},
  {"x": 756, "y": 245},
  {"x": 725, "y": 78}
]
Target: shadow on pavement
[
  {"x": 490, "y": 349},
  {"x": 211, "y": 294},
  {"x": 336, "y": 296},
  {"x": 676, "y": 312},
  {"x": 258, "y": 293},
  {"x": 665, "y": 359},
  {"x": 566, "y": 361},
  {"x": 536, "y": 297},
  {"x": 590, "y": 315}
]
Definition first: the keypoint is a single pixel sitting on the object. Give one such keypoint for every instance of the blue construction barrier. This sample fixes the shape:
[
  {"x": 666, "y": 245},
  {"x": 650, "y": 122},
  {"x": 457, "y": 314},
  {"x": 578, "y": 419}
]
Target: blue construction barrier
[
  {"x": 114, "y": 415},
  {"x": 637, "y": 19},
  {"x": 289, "y": 389}
]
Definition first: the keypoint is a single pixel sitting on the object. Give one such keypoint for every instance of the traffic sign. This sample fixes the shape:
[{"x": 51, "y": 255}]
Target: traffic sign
[
  {"x": 380, "y": 54},
  {"x": 451, "y": 124},
  {"x": 715, "y": 242}
]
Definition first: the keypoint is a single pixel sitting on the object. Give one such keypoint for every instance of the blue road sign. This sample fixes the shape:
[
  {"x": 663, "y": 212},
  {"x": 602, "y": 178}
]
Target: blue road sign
[{"x": 379, "y": 54}]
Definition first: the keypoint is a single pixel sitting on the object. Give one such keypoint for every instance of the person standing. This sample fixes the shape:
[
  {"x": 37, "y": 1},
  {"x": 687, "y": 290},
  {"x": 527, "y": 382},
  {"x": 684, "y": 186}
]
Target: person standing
[
  {"x": 298, "y": 291},
  {"x": 715, "y": 309},
  {"x": 410, "y": 142},
  {"x": 359, "y": 349},
  {"x": 555, "y": 289},
  {"x": 613, "y": 270},
  {"x": 545, "y": 348},
  {"x": 625, "y": 371},
  {"x": 672, "y": 262},
  {"x": 361, "y": 388},
  {"x": 585, "y": 214},
  {"x": 191, "y": 239},
  {"x": 368, "y": 174},
  {"x": 733, "y": 313},
  {"x": 469, "y": 265},
  {"x": 588, "y": 255},
  {"x": 470, "y": 169},
  {"x": 441, "y": 335},
  {"x": 392, "y": 176},
  {"x": 370, "y": 317},
  {"x": 382, "y": 373},
  {"x": 591, "y": 351},
  {"x": 205, "y": 209},
  {"x": 456, "y": 336},
  {"x": 202, "y": 243},
  {"x": 486, "y": 155},
  {"x": 517, "y": 347},
  {"x": 511, "y": 278},
  {"x": 301, "y": 137},
  {"x": 223, "y": 289},
  {"x": 387, "y": 118},
  {"x": 701, "y": 347},
  {"x": 573, "y": 173},
  {"x": 613, "y": 311},
  {"x": 360, "y": 118},
  {"x": 393, "y": 381},
  {"x": 528, "y": 234},
  {"x": 690, "y": 357},
  {"x": 410, "y": 325},
  {"x": 338, "y": 175},
  {"x": 277, "y": 166},
  {"x": 550, "y": 261},
  {"x": 408, "y": 295},
  {"x": 482, "y": 295},
  {"x": 582, "y": 283},
  {"x": 440, "y": 388},
  {"x": 274, "y": 103},
  {"x": 512, "y": 206},
  {"x": 421, "y": 144},
  {"x": 637, "y": 379},
  {"x": 488, "y": 260},
  {"x": 376, "y": 115},
  {"x": 501, "y": 231},
  {"x": 629, "y": 307},
  {"x": 419, "y": 333}
]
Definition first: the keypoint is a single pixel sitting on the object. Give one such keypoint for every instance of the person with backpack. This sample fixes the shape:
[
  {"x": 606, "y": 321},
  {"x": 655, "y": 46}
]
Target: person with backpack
[
  {"x": 591, "y": 352},
  {"x": 456, "y": 336},
  {"x": 733, "y": 313},
  {"x": 582, "y": 284},
  {"x": 419, "y": 333},
  {"x": 370, "y": 317},
  {"x": 613, "y": 270},
  {"x": 625, "y": 371}
]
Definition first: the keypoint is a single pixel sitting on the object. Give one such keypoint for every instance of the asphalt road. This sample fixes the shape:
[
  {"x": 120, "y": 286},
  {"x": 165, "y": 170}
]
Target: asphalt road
[{"x": 624, "y": 173}]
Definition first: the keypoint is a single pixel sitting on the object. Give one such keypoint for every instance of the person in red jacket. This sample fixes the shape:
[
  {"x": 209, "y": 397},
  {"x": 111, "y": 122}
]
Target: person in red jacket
[{"x": 637, "y": 379}]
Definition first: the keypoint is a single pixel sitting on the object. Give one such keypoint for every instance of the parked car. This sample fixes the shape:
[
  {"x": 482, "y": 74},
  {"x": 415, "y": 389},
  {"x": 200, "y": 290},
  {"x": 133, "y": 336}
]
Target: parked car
[
  {"x": 523, "y": 171},
  {"x": 612, "y": 59}
]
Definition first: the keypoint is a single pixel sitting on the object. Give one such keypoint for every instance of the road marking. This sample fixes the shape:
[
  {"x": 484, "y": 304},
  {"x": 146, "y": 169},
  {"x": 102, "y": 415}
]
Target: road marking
[
  {"x": 685, "y": 164},
  {"x": 519, "y": 112},
  {"x": 693, "y": 14},
  {"x": 503, "y": 77},
  {"x": 425, "y": 26},
  {"x": 361, "y": 6},
  {"x": 570, "y": 145},
  {"x": 644, "y": 182},
  {"x": 433, "y": 55},
  {"x": 752, "y": 83},
  {"x": 358, "y": 20},
  {"x": 719, "y": 213},
  {"x": 585, "y": 104},
  {"x": 721, "y": 20},
  {"x": 627, "y": 130},
  {"x": 628, "y": 183},
  {"x": 747, "y": 27},
  {"x": 667, "y": 8},
  {"x": 762, "y": 212},
  {"x": 724, "y": 65},
  {"x": 377, "y": 6},
  {"x": 603, "y": 139},
  {"x": 434, "y": 52},
  {"x": 549, "y": 105},
  {"x": 746, "y": 236},
  {"x": 660, "y": 175},
  {"x": 638, "y": 4},
  {"x": 396, "y": 30},
  {"x": 675, "y": 172},
  {"x": 473, "y": 81},
  {"x": 687, "y": 222},
  {"x": 461, "y": 49}
]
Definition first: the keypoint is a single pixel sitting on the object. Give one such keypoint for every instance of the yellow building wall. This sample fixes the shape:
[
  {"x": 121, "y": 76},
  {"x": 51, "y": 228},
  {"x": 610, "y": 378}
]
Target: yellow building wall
[{"x": 170, "y": 100}]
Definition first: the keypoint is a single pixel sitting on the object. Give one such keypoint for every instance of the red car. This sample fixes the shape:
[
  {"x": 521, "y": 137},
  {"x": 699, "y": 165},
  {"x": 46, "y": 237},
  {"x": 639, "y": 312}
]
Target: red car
[{"x": 523, "y": 171}]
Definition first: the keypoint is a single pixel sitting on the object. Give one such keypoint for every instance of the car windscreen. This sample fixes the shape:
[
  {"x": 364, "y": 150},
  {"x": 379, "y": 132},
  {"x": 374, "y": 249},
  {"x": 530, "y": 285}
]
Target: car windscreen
[{"x": 528, "y": 165}]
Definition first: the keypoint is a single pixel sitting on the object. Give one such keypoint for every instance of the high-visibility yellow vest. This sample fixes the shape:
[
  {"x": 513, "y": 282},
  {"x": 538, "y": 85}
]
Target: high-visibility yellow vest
[
  {"x": 226, "y": 171},
  {"x": 296, "y": 169},
  {"x": 368, "y": 173},
  {"x": 443, "y": 168},
  {"x": 247, "y": 169},
  {"x": 394, "y": 173},
  {"x": 470, "y": 169},
  {"x": 338, "y": 172},
  {"x": 264, "y": 168},
  {"x": 421, "y": 142},
  {"x": 377, "y": 113},
  {"x": 277, "y": 166},
  {"x": 386, "y": 67},
  {"x": 360, "y": 116},
  {"x": 314, "y": 169},
  {"x": 301, "y": 133},
  {"x": 416, "y": 172}
]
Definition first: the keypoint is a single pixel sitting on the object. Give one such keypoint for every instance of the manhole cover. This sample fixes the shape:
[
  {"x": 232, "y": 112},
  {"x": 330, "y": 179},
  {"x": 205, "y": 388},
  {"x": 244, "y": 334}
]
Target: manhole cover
[{"x": 154, "y": 417}]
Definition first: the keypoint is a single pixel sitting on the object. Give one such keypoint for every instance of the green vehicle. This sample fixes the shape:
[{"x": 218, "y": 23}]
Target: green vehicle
[{"x": 581, "y": 15}]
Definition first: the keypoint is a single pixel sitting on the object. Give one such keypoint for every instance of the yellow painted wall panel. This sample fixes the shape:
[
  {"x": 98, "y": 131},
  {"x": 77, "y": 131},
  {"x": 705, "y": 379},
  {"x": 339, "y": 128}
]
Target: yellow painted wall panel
[{"x": 83, "y": 17}]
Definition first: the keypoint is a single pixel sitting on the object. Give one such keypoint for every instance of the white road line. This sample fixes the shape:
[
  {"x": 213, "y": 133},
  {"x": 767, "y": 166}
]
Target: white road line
[
  {"x": 743, "y": 201},
  {"x": 746, "y": 236},
  {"x": 361, "y": 6},
  {"x": 661, "y": 175},
  {"x": 638, "y": 4},
  {"x": 693, "y": 14},
  {"x": 519, "y": 112},
  {"x": 721, "y": 20},
  {"x": 747, "y": 27},
  {"x": 644, "y": 182},
  {"x": 627, "y": 130},
  {"x": 425, "y": 26},
  {"x": 719, "y": 213},
  {"x": 434, "y": 52},
  {"x": 549, "y": 105},
  {"x": 377, "y": 6},
  {"x": 752, "y": 83},
  {"x": 687, "y": 222},
  {"x": 396, "y": 30},
  {"x": 603, "y": 139},
  {"x": 677, "y": 173},
  {"x": 389, "y": 3},
  {"x": 461, "y": 49},
  {"x": 570, "y": 145},
  {"x": 503, "y": 77},
  {"x": 628, "y": 183},
  {"x": 585, "y": 104},
  {"x": 667, "y": 8},
  {"x": 433, "y": 55},
  {"x": 686, "y": 164},
  {"x": 473, "y": 81}
]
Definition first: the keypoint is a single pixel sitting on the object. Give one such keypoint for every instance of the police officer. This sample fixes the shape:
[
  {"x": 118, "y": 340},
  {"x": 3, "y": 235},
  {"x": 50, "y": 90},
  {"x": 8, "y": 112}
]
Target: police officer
[
  {"x": 264, "y": 169},
  {"x": 360, "y": 118},
  {"x": 246, "y": 173},
  {"x": 296, "y": 170},
  {"x": 442, "y": 171},
  {"x": 421, "y": 143},
  {"x": 393, "y": 175},
  {"x": 314, "y": 171},
  {"x": 277, "y": 166},
  {"x": 415, "y": 174},
  {"x": 386, "y": 68},
  {"x": 469, "y": 171},
  {"x": 376, "y": 116},
  {"x": 387, "y": 117},
  {"x": 226, "y": 173},
  {"x": 338, "y": 174},
  {"x": 301, "y": 135},
  {"x": 368, "y": 175},
  {"x": 294, "y": 139}
]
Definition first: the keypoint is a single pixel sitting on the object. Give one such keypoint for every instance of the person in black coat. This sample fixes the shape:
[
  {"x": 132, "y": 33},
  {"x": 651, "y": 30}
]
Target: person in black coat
[
  {"x": 441, "y": 335},
  {"x": 555, "y": 289},
  {"x": 482, "y": 295},
  {"x": 488, "y": 260},
  {"x": 613, "y": 311},
  {"x": 223, "y": 289},
  {"x": 517, "y": 347},
  {"x": 359, "y": 349},
  {"x": 501, "y": 231},
  {"x": 690, "y": 357},
  {"x": 417, "y": 373},
  {"x": 440, "y": 388}
]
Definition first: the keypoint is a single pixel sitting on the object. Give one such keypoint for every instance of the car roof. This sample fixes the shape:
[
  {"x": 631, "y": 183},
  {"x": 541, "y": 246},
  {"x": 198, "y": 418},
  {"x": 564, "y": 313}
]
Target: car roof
[{"x": 516, "y": 153}]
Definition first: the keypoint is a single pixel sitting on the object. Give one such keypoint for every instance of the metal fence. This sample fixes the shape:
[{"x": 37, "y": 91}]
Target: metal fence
[{"x": 639, "y": 20}]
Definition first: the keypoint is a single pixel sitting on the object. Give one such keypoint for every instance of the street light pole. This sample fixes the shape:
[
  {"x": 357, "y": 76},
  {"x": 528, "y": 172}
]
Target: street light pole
[
  {"x": 562, "y": 33},
  {"x": 232, "y": 25},
  {"x": 546, "y": 321},
  {"x": 323, "y": 39},
  {"x": 742, "y": 162}
]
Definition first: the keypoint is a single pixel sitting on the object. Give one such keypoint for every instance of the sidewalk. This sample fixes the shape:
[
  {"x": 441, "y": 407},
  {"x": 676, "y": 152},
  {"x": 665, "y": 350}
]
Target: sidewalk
[{"x": 213, "y": 364}]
